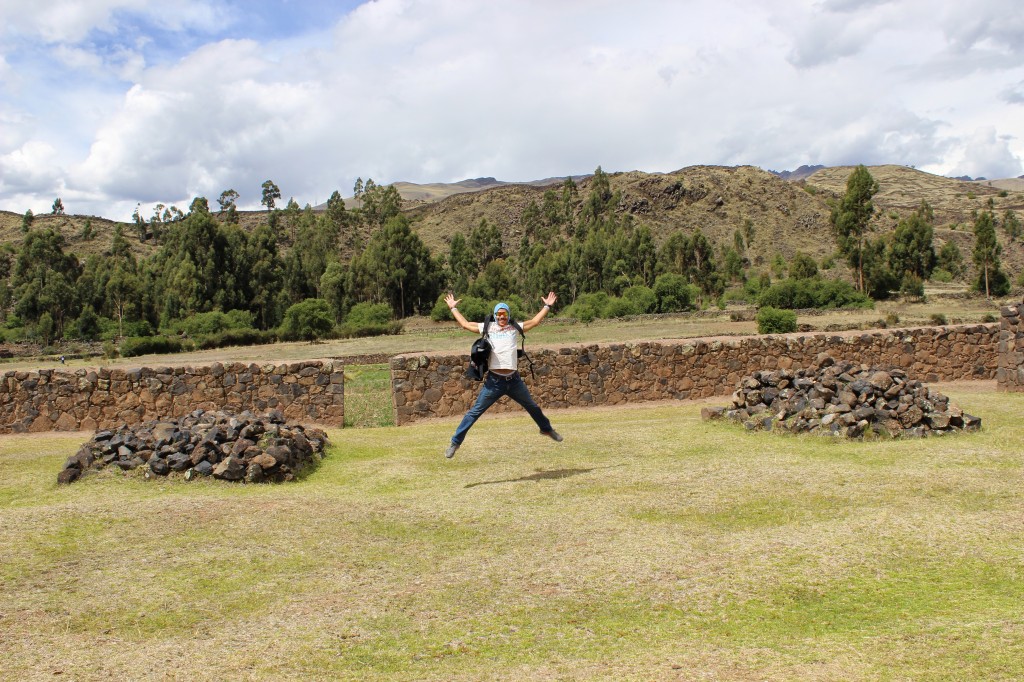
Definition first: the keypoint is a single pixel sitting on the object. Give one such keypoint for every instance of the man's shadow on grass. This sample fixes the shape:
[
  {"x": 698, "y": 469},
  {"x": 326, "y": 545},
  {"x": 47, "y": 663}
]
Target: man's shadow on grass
[{"x": 544, "y": 475}]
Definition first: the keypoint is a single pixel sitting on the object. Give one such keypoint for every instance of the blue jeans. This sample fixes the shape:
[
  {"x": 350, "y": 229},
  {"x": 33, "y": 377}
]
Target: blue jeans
[{"x": 494, "y": 387}]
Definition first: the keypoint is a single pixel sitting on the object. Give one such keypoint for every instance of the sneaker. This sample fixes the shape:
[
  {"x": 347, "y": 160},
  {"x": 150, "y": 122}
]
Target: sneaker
[
  {"x": 553, "y": 435},
  {"x": 450, "y": 452}
]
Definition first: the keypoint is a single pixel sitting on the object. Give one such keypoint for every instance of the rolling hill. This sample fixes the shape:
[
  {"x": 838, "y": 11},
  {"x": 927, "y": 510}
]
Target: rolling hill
[{"x": 786, "y": 215}]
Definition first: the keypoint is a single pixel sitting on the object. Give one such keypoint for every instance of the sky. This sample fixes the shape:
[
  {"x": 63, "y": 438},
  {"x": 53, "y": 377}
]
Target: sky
[{"x": 117, "y": 104}]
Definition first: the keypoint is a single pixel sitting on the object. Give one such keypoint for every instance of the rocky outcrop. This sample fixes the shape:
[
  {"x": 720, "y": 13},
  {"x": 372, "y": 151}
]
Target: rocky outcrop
[
  {"x": 224, "y": 445},
  {"x": 842, "y": 399}
]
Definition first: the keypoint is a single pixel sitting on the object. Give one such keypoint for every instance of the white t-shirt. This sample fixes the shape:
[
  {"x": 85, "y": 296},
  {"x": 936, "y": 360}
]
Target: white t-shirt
[{"x": 503, "y": 340}]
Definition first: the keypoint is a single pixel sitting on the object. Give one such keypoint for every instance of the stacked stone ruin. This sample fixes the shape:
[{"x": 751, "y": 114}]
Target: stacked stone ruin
[
  {"x": 843, "y": 399},
  {"x": 1010, "y": 374},
  {"x": 227, "y": 446}
]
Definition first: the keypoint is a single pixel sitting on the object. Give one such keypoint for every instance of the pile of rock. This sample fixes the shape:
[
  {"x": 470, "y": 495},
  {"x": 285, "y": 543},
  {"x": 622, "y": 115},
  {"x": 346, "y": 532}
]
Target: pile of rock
[
  {"x": 842, "y": 399},
  {"x": 204, "y": 443}
]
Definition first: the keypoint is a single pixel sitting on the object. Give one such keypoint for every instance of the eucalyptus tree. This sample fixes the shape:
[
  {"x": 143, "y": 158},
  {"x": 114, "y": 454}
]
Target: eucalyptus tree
[
  {"x": 911, "y": 250},
  {"x": 396, "y": 268},
  {"x": 228, "y": 208},
  {"x": 43, "y": 279},
  {"x": 991, "y": 278},
  {"x": 851, "y": 218},
  {"x": 271, "y": 193}
]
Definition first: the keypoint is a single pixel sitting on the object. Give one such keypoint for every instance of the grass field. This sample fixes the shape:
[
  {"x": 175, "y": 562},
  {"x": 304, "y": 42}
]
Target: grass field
[{"x": 647, "y": 546}]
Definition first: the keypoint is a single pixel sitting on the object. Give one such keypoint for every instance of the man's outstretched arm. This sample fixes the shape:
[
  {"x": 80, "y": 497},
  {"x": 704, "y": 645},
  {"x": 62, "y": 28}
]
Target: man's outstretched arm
[
  {"x": 549, "y": 301},
  {"x": 463, "y": 322}
]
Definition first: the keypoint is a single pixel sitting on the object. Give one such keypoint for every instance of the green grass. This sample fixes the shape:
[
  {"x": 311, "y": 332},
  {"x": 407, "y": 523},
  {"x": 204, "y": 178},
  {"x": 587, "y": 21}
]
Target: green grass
[
  {"x": 649, "y": 545},
  {"x": 368, "y": 396}
]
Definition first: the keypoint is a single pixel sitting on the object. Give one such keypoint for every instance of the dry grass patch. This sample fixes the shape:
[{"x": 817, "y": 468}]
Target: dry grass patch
[{"x": 648, "y": 545}]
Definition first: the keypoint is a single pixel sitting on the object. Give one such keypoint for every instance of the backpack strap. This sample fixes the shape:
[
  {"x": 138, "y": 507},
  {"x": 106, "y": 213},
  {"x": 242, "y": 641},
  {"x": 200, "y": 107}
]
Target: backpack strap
[{"x": 522, "y": 337}]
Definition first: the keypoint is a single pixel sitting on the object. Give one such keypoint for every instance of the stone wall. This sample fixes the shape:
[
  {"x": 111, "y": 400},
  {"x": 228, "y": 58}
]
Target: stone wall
[
  {"x": 426, "y": 386},
  {"x": 64, "y": 400},
  {"x": 1010, "y": 376}
]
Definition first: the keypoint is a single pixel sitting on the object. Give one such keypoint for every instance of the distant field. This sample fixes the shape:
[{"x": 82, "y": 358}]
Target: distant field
[{"x": 647, "y": 546}]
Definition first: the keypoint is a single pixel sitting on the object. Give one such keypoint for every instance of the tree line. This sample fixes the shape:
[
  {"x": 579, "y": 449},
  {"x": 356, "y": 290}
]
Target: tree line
[{"x": 341, "y": 260}]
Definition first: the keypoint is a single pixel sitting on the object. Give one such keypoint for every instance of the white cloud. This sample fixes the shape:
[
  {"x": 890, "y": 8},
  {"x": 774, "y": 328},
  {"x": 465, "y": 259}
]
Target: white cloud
[
  {"x": 987, "y": 154},
  {"x": 441, "y": 91},
  {"x": 72, "y": 21},
  {"x": 33, "y": 166}
]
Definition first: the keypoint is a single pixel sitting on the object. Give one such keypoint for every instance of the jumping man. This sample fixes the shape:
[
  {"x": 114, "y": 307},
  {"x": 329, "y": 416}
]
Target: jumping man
[{"x": 503, "y": 375}]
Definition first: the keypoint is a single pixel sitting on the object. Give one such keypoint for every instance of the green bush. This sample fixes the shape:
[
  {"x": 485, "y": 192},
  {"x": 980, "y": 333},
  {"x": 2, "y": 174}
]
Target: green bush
[
  {"x": 674, "y": 293},
  {"x": 940, "y": 275},
  {"x": 775, "y": 321},
  {"x": 998, "y": 283},
  {"x": 363, "y": 314},
  {"x": 236, "y": 337},
  {"x": 644, "y": 298},
  {"x": 87, "y": 326},
  {"x": 311, "y": 319},
  {"x": 133, "y": 346},
  {"x": 803, "y": 266},
  {"x": 753, "y": 287},
  {"x": 588, "y": 307},
  {"x": 111, "y": 332},
  {"x": 584, "y": 313},
  {"x": 813, "y": 293},
  {"x": 912, "y": 285},
  {"x": 440, "y": 312},
  {"x": 214, "y": 322},
  {"x": 938, "y": 318},
  {"x": 620, "y": 307}
]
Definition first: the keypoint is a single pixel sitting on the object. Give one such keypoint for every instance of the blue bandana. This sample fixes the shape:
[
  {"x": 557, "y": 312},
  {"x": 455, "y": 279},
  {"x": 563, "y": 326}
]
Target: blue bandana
[{"x": 502, "y": 306}]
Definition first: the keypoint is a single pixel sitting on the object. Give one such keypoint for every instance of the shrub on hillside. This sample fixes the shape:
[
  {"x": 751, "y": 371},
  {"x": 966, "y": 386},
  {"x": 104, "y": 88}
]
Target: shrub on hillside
[
  {"x": 912, "y": 285},
  {"x": 111, "y": 330},
  {"x": 644, "y": 298},
  {"x": 775, "y": 321},
  {"x": 674, "y": 293},
  {"x": 133, "y": 346},
  {"x": 309, "y": 320},
  {"x": 236, "y": 337},
  {"x": 998, "y": 283},
  {"x": 588, "y": 307},
  {"x": 370, "y": 319},
  {"x": 87, "y": 326},
  {"x": 214, "y": 322},
  {"x": 813, "y": 293},
  {"x": 621, "y": 307}
]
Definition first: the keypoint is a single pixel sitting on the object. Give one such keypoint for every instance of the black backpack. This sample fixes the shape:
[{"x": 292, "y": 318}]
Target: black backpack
[{"x": 480, "y": 351}]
